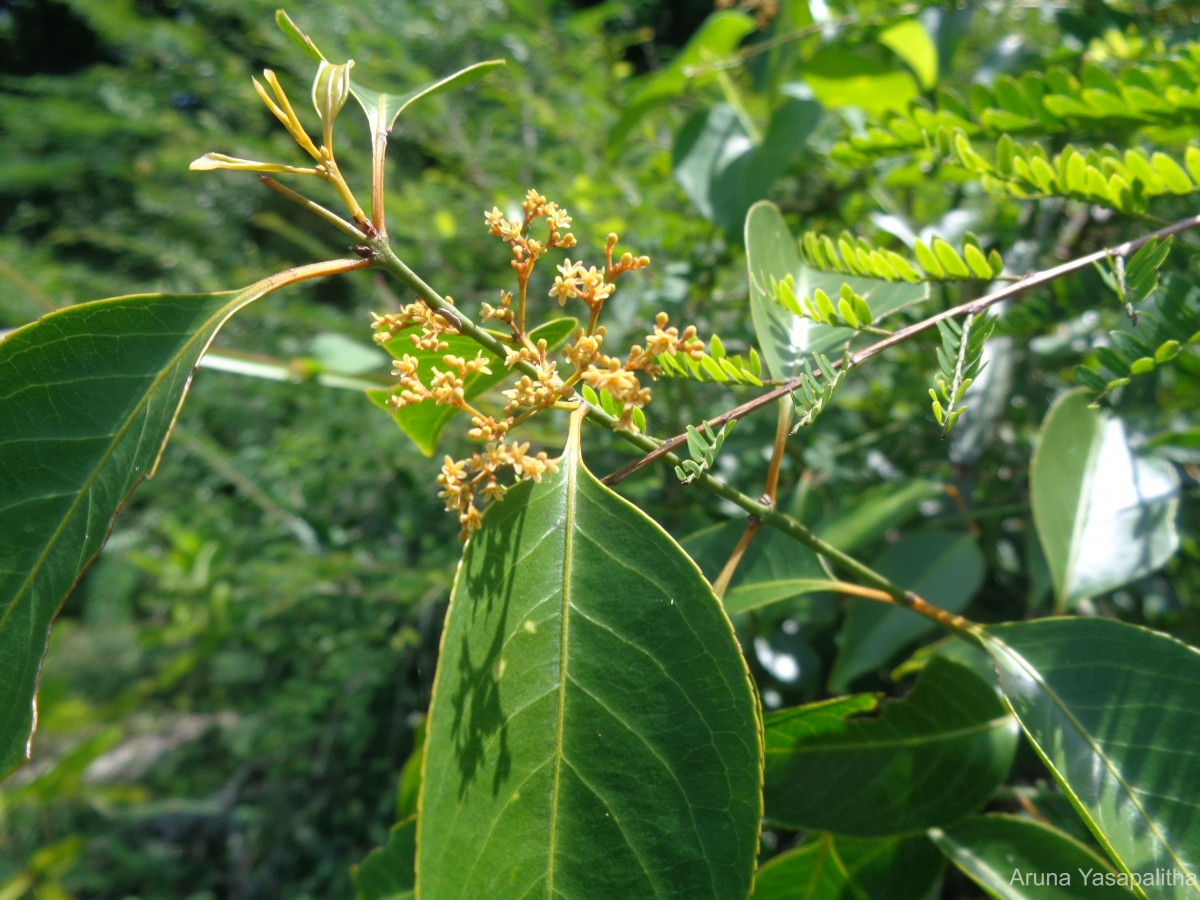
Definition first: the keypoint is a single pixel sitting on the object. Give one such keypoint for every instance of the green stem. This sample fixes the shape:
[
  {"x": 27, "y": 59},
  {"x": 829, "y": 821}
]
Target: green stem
[
  {"x": 313, "y": 207},
  {"x": 387, "y": 259}
]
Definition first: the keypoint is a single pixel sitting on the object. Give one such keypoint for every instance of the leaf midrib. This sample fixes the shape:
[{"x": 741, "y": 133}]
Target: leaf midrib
[
  {"x": 571, "y": 465},
  {"x": 118, "y": 438},
  {"x": 1127, "y": 789},
  {"x": 940, "y": 737}
]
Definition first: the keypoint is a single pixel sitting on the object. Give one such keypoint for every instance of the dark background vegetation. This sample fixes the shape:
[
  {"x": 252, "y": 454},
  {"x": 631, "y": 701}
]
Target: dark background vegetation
[{"x": 232, "y": 691}]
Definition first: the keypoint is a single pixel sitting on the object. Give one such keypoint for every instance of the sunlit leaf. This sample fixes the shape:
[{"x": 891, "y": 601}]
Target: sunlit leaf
[
  {"x": 593, "y": 729},
  {"x": 1019, "y": 859},
  {"x": 909, "y": 40},
  {"x": 842, "y": 77},
  {"x": 88, "y": 396},
  {"x": 786, "y": 339},
  {"x": 383, "y": 109},
  {"x": 1111, "y": 709},
  {"x": 1103, "y": 515}
]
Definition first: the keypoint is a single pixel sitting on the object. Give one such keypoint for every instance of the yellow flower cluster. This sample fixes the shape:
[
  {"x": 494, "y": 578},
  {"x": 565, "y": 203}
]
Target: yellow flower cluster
[
  {"x": 462, "y": 480},
  {"x": 620, "y": 379},
  {"x": 515, "y": 232},
  {"x": 431, "y": 326},
  {"x": 538, "y": 385}
]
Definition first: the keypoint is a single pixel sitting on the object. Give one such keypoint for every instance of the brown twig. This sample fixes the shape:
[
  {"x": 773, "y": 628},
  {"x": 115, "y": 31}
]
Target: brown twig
[
  {"x": 769, "y": 497},
  {"x": 974, "y": 307},
  {"x": 909, "y": 600}
]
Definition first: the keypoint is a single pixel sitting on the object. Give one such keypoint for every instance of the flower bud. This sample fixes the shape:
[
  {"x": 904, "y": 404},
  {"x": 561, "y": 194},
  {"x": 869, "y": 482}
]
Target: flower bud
[{"x": 331, "y": 87}]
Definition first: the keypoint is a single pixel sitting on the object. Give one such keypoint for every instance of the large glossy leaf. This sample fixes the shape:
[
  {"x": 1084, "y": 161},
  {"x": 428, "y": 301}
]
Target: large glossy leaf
[
  {"x": 1111, "y": 709},
  {"x": 388, "y": 873},
  {"x": 939, "y": 566},
  {"x": 423, "y": 422},
  {"x": 1103, "y": 515},
  {"x": 1019, "y": 859},
  {"x": 861, "y": 767},
  {"x": 723, "y": 169},
  {"x": 593, "y": 729},
  {"x": 88, "y": 396},
  {"x": 843, "y": 869},
  {"x": 785, "y": 339}
]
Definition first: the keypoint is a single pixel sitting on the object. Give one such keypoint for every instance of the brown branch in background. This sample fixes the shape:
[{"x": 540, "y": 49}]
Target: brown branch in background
[
  {"x": 974, "y": 307},
  {"x": 768, "y": 498},
  {"x": 911, "y": 601}
]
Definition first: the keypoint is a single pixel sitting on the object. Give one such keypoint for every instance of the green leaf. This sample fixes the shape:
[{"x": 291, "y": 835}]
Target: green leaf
[
  {"x": 383, "y": 109},
  {"x": 1104, "y": 516},
  {"x": 593, "y": 729},
  {"x": 1171, "y": 173},
  {"x": 298, "y": 37},
  {"x": 828, "y": 867},
  {"x": 388, "y": 872},
  {"x": 873, "y": 512},
  {"x": 1111, "y": 709},
  {"x": 929, "y": 260},
  {"x": 716, "y": 39},
  {"x": 1019, "y": 859},
  {"x": 90, "y": 394},
  {"x": 785, "y": 339},
  {"x": 811, "y": 872},
  {"x": 723, "y": 171},
  {"x": 939, "y": 566},
  {"x": 773, "y": 569},
  {"x": 335, "y": 352},
  {"x": 909, "y": 40},
  {"x": 842, "y": 77},
  {"x": 977, "y": 262},
  {"x": 860, "y": 767},
  {"x": 423, "y": 422},
  {"x": 408, "y": 784},
  {"x": 950, "y": 260}
]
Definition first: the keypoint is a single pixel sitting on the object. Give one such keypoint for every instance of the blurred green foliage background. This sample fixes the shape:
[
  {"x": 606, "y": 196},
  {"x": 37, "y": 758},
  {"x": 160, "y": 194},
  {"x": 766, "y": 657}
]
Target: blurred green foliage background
[
  {"x": 234, "y": 687},
  {"x": 232, "y": 691}
]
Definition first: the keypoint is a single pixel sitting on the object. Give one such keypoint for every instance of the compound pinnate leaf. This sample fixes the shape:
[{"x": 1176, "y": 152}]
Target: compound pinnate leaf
[
  {"x": 88, "y": 396},
  {"x": 593, "y": 730},
  {"x": 785, "y": 338},
  {"x": 1111, "y": 709}
]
